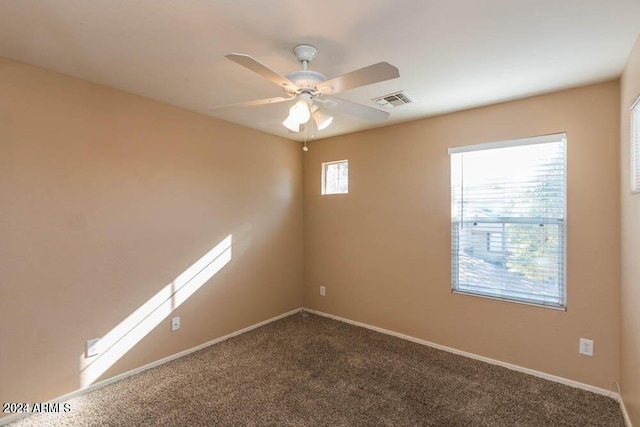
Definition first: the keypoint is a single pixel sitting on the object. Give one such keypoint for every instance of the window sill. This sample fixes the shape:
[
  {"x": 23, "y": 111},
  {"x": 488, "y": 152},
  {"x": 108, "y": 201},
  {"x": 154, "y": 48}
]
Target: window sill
[{"x": 533, "y": 304}]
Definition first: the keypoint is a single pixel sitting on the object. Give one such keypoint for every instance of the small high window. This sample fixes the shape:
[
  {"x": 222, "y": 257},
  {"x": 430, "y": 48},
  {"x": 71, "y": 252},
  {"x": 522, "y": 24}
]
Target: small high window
[{"x": 335, "y": 177}]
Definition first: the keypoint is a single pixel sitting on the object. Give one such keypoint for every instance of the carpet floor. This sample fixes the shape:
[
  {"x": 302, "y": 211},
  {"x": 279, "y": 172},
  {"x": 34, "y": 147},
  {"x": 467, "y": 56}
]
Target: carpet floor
[{"x": 307, "y": 370}]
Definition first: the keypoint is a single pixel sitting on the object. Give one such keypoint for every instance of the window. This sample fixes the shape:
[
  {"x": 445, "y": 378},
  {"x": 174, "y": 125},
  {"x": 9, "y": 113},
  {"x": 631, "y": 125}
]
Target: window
[
  {"x": 635, "y": 146},
  {"x": 335, "y": 177},
  {"x": 494, "y": 242},
  {"x": 508, "y": 228}
]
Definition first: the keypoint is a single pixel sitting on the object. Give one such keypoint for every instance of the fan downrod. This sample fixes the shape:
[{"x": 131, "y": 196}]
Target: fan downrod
[{"x": 305, "y": 79}]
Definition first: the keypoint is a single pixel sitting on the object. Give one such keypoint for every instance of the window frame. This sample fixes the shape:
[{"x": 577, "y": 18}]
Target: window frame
[
  {"x": 562, "y": 223},
  {"x": 323, "y": 180},
  {"x": 634, "y": 145}
]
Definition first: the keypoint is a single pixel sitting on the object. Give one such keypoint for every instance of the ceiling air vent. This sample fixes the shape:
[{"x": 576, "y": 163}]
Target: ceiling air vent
[{"x": 395, "y": 99}]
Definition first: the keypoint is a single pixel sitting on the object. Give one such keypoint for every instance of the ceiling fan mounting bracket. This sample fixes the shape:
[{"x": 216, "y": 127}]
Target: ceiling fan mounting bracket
[{"x": 305, "y": 52}]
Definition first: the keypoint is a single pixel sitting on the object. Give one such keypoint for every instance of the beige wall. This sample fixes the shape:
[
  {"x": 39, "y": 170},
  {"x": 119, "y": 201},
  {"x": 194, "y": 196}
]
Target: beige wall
[
  {"x": 630, "y": 292},
  {"x": 105, "y": 198},
  {"x": 383, "y": 250}
]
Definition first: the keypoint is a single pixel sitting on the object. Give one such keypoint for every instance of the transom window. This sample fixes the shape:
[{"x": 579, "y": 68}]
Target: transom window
[
  {"x": 335, "y": 177},
  {"x": 508, "y": 229}
]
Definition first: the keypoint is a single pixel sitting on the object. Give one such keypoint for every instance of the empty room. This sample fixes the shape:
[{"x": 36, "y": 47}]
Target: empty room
[{"x": 335, "y": 213}]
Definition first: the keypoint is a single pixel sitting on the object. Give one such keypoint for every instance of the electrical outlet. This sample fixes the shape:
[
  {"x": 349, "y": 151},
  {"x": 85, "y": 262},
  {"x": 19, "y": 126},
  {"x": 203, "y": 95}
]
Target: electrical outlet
[
  {"x": 92, "y": 347},
  {"x": 175, "y": 323},
  {"x": 586, "y": 347},
  {"x": 323, "y": 291}
]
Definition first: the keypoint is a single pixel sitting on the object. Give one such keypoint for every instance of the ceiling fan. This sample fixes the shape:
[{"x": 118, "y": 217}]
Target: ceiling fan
[{"x": 312, "y": 91}]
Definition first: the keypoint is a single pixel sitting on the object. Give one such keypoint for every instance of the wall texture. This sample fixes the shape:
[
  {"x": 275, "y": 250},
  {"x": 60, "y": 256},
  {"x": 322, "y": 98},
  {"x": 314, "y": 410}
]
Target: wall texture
[
  {"x": 105, "y": 200},
  {"x": 630, "y": 290},
  {"x": 383, "y": 250}
]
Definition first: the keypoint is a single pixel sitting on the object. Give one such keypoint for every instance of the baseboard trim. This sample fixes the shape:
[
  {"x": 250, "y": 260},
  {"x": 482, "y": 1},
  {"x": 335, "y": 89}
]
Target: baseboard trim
[
  {"x": 533, "y": 372},
  {"x": 625, "y": 414},
  {"x": 103, "y": 383}
]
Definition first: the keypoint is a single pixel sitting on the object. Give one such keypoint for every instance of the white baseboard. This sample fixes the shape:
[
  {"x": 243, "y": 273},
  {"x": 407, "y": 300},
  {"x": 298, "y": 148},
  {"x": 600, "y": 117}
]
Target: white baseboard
[
  {"x": 533, "y": 372},
  {"x": 625, "y": 414},
  {"x": 100, "y": 384}
]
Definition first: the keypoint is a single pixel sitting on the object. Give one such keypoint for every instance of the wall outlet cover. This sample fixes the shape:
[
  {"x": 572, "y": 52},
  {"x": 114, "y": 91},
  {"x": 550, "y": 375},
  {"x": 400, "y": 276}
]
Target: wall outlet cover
[
  {"x": 92, "y": 348},
  {"x": 586, "y": 347},
  {"x": 175, "y": 323}
]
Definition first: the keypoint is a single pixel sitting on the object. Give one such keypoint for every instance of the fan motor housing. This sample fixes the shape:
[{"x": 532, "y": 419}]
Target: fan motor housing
[{"x": 306, "y": 79}]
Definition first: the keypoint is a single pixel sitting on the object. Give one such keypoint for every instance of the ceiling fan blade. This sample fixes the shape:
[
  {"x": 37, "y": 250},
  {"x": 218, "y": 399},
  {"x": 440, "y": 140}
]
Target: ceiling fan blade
[
  {"x": 364, "y": 76},
  {"x": 253, "y": 103},
  {"x": 266, "y": 72},
  {"x": 357, "y": 110}
]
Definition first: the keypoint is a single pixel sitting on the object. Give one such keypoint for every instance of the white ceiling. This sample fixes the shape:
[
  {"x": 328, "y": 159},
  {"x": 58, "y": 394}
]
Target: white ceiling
[{"x": 452, "y": 54}]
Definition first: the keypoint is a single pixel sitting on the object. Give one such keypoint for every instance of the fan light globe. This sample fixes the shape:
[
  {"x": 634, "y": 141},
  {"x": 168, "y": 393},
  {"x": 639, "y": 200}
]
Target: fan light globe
[
  {"x": 300, "y": 112},
  {"x": 322, "y": 120},
  {"x": 291, "y": 123}
]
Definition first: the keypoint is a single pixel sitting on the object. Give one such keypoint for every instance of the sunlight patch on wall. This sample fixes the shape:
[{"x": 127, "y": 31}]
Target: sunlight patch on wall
[{"x": 122, "y": 338}]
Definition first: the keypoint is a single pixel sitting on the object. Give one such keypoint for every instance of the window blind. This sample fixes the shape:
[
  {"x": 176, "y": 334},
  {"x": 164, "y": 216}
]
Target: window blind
[
  {"x": 508, "y": 220},
  {"x": 635, "y": 146}
]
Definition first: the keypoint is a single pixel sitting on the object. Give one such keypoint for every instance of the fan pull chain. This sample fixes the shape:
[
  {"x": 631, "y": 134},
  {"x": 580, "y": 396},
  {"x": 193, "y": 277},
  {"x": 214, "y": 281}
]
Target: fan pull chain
[{"x": 305, "y": 148}]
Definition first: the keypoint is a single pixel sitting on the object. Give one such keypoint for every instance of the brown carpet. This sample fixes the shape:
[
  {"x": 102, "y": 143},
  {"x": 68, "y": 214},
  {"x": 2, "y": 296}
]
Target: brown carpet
[{"x": 307, "y": 370}]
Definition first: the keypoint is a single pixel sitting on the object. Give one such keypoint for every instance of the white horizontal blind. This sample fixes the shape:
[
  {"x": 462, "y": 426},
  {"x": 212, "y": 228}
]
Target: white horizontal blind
[
  {"x": 635, "y": 146},
  {"x": 508, "y": 220}
]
